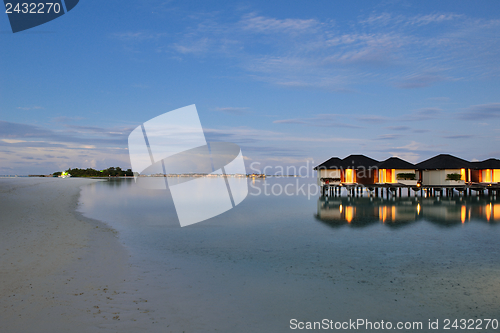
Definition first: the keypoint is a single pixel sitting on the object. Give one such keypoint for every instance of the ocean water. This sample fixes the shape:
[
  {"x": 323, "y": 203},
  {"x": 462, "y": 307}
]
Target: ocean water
[{"x": 278, "y": 257}]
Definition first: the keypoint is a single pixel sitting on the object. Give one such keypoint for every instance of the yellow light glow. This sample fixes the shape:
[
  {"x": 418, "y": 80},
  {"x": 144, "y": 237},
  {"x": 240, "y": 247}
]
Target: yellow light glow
[
  {"x": 349, "y": 213},
  {"x": 488, "y": 212},
  {"x": 418, "y": 208},
  {"x": 388, "y": 175},
  {"x": 496, "y": 212},
  {"x": 462, "y": 174},
  {"x": 487, "y": 176},
  {"x": 463, "y": 214},
  {"x": 393, "y": 175},
  {"x": 340, "y": 208},
  {"x": 382, "y": 213},
  {"x": 496, "y": 175},
  {"x": 348, "y": 176}
]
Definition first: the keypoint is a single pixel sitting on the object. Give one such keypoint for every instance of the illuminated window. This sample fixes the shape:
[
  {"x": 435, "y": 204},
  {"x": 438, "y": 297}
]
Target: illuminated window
[
  {"x": 349, "y": 176},
  {"x": 388, "y": 175},
  {"x": 496, "y": 176},
  {"x": 487, "y": 176},
  {"x": 462, "y": 174}
]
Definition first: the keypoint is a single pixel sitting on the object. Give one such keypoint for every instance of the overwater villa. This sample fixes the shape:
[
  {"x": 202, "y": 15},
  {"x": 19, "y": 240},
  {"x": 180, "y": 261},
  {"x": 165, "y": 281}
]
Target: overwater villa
[
  {"x": 487, "y": 171},
  {"x": 354, "y": 169},
  {"x": 443, "y": 171},
  {"x": 395, "y": 170}
]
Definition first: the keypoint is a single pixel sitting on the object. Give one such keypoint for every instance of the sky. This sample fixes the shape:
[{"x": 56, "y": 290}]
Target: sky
[{"x": 293, "y": 83}]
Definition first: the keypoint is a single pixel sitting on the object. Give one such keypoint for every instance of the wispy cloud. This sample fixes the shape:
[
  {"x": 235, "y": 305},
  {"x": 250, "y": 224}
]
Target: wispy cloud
[
  {"x": 388, "y": 137},
  {"x": 386, "y": 19},
  {"x": 432, "y": 18},
  {"x": 482, "y": 111},
  {"x": 26, "y": 108},
  {"x": 84, "y": 135},
  {"x": 233, "y": 110},
  {"x": 373, "y": 119},
  {"x": 56, "y": 149},
  {"x": 137, "y": 36},
  {"x": 269, "y": 25},
  {"x": 197, "y": 46},
  {"x": 439, "y": 99},
  {"x": 420, "y": 81},
  {"x": 406, "y": 52},
  {"x": 398, "y": 128},
  {"x": 321, "y": 120},
  {"x": 459, "y": 137},
  {"x": 340, "y": 120},
  {"x": 423, "y": 114},
  {"x": 413, "y": 151}
]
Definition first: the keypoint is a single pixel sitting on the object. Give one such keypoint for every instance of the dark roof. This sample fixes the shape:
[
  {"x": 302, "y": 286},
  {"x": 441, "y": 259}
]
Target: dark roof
[
  {"x": 491, "y": 163},
  {"x": 332, "y": 163},
  {"x": 358, "y": 161},
  {"x": 350, "y": 162},
  {"x": 444, "y": 161},
  {"x": 395, "y": 163}
]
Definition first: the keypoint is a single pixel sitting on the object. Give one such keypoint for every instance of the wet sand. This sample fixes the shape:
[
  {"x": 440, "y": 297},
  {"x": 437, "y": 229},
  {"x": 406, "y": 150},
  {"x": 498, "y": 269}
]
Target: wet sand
[{"x": 60, "y": 271}]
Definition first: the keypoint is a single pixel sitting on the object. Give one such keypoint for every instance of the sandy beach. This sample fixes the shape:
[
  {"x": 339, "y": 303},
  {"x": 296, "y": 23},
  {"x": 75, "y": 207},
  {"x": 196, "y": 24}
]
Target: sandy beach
[{"x": 60, "y": 271}]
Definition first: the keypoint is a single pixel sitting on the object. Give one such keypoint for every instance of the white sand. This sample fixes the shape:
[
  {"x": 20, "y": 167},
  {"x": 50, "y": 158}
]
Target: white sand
[{"x": 60, "y": 271}]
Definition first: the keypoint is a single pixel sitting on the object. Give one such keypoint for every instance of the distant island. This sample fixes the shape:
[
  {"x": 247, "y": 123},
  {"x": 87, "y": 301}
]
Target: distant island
[
  {"x": 89, "y": 172},
  {"x": 119, "y": 172}
]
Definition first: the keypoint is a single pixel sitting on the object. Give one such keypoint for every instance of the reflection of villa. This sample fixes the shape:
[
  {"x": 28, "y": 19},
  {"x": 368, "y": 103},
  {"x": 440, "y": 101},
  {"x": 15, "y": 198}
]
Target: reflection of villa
[
  {"x": 364, "y": 211},
  {"x": 358, "y": 172}
]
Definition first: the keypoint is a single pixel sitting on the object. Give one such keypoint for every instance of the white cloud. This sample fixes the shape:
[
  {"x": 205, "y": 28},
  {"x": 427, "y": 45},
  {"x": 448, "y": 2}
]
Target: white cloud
[
  {"x": 269, "y": 25},
  {"x": 233, "y": 110},
  {"x": 26, "y": 108},
  {"x": 405, "y": 52}
]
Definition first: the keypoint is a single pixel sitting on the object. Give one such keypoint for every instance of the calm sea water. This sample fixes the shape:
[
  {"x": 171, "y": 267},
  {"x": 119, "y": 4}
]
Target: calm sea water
[{"x": 274, "y": 258}]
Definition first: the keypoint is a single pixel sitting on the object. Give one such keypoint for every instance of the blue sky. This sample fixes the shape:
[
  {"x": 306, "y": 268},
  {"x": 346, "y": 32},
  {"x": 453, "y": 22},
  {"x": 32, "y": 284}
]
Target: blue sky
[{"x": 290, "y": 82}]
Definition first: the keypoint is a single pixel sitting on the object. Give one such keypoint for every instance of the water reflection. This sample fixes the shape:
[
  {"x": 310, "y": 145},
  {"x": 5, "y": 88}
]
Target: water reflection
[{"x": 397, "y": 212}]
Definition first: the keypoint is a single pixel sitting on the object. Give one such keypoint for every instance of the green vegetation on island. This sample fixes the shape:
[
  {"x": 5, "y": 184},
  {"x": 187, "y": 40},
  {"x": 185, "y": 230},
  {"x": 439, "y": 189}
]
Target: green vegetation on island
[{"x": 89, "y": 172}]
